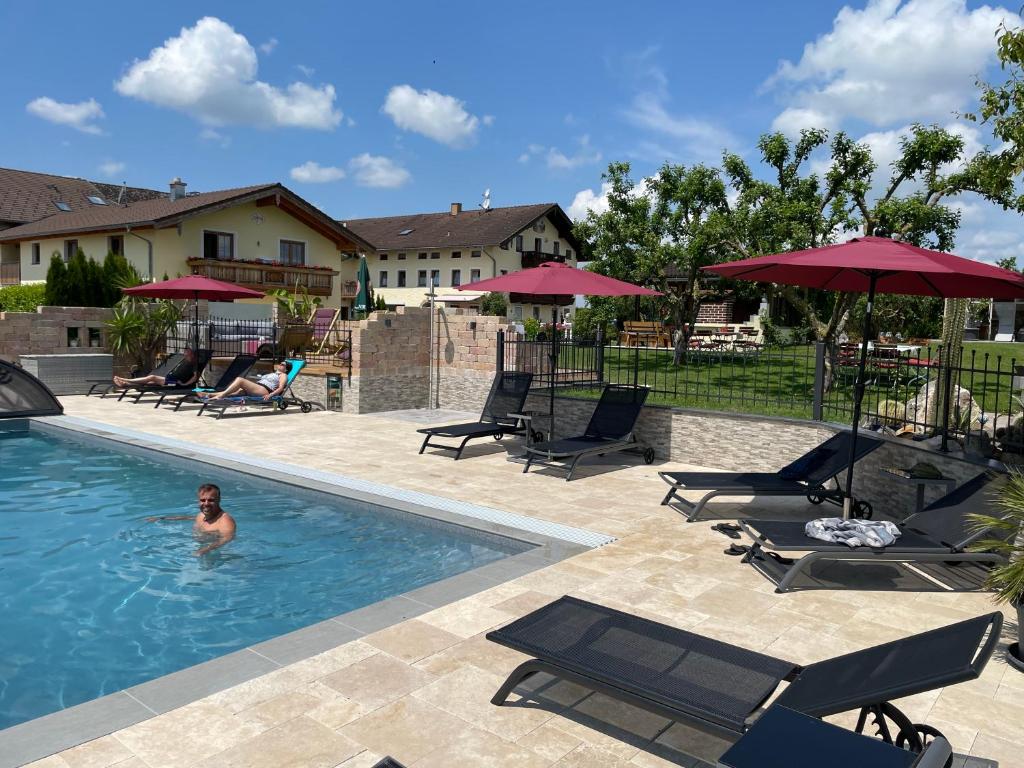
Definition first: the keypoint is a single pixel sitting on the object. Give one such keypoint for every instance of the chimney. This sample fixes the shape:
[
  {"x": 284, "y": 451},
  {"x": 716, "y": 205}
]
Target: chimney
[
  {"x": 456, "y": 209},
  {"x": 177, "y": 188}
]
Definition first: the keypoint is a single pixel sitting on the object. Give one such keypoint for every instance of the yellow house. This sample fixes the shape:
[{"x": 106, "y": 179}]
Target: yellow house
[
  {"x": 263, "y": 237},
  {"x": 458, "y": 247}
]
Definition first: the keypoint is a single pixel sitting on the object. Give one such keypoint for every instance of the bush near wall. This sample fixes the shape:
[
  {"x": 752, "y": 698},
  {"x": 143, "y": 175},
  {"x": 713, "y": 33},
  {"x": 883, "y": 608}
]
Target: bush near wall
[{"x": 22, "y": 298}]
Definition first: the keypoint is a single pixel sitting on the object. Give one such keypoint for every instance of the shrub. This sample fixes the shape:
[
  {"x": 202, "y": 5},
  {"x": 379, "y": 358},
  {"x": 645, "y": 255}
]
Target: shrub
[
  {"x": 531, "y": 328},
  {"x": 586, "y": 322},
  {"x": 494, "y": 304},
  {"x": 22, "y": 298}
]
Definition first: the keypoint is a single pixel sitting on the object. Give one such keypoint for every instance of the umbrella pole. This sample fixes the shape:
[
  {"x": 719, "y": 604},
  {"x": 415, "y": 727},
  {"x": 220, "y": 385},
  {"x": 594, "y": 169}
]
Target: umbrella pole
[
  {"x": 636, "y": 348},
  {"x": 858, "y": 397},
  {"x": 195, "y": 325},
  {"x": 554, "y": 367}
]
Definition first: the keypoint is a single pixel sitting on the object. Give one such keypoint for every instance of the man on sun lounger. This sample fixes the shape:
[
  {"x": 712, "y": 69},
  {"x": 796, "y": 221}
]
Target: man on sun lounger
[
  {"x": 211, "y": 520},
  {"x": 185, "y": 374}
]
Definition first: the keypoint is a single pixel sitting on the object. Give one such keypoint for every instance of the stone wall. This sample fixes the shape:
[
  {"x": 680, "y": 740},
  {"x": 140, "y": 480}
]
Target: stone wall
[
  {"x": 465, "y": 358},
  {"x": 45, "y": 331}
]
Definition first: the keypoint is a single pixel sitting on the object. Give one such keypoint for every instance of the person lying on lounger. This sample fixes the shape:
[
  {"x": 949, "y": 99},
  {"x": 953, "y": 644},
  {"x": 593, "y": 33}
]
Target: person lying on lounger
[
  {"x": 266, "y": 386},
  {"x": 211, "y": 520},
  {"x": 185, "y": 374}
]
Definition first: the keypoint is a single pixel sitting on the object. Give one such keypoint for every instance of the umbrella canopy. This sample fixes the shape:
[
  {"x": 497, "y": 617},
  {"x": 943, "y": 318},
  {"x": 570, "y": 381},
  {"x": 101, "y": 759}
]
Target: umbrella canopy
[
  {"x": 897, "y": 267},
  {"x": 555, "y": 283},
  {"x": 871, "y": 265},
  {"x": 363, "y": 296},
  {"x": 194, "y": 287}
]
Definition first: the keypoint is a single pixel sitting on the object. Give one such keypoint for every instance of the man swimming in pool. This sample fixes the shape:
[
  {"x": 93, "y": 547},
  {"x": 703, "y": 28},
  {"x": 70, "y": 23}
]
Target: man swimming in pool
[{"x": 211, "y": 520}]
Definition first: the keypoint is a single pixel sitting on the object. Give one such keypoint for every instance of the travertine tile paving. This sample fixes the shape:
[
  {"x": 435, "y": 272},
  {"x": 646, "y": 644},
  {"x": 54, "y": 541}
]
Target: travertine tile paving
[{"x": 420, "y": 690}]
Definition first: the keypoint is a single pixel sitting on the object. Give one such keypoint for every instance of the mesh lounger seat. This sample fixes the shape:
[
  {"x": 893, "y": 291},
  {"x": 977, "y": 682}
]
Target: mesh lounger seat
[
  {"x": 168, "y": 365},
  {"x": 940, "y": 534},
  {"x": 240, "y": 366},
  {"x": 610, "y": 430},
  {"x": 277, "y": 402},
  {"x": 807, "y": 476},
  {"x": 720, "y": 687},
  {"x": 181, "y": 370},
  {"x": 508, "y": 395}
]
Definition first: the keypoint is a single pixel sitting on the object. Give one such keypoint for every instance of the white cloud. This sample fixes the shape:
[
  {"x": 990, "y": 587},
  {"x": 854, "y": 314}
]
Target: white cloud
[
  {"x": 587, "y": 200},
  {"x": 307, "y": 71},
  {"x": 313, "y": 173},
  {"x": 80, "y": 116},
  {"x": 212, "y": 134},
  {"x": 209, "y": 71},
  {"x": 435, "y": 115},
  {"x": 890, "y": 62},
  {"x": 376, "y": 171},
  {"x": 268, "y": 47},
  {"x": 111, "y": 168},
  {"x": 585, "y": 156},
  {"x": 487, "y": 120}
]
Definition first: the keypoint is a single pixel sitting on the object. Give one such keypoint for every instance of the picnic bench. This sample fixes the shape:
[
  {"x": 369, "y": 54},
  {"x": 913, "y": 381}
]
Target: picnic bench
[{"x": 644, "y": 333}]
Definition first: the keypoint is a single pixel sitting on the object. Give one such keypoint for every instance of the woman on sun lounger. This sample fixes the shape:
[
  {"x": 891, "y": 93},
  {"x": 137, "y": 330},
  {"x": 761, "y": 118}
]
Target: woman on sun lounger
[
  {"x": 266, "y": 386},
  {"x": 185, "y": 374}
]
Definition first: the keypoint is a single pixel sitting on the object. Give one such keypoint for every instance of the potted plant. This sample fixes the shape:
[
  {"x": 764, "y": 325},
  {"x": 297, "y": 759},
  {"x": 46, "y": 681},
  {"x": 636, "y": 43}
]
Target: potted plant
[
  {"x": 1007, "y": 539},
  {"x": 138, "y": 329}
]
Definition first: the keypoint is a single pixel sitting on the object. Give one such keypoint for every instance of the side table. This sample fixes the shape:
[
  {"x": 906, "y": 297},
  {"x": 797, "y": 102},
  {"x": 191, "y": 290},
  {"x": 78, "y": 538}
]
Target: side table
[{"x": 899, "y": 476}]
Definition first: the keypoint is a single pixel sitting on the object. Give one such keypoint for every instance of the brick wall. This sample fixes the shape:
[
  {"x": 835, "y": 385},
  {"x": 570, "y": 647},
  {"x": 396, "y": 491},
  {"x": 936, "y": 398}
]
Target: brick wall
[
  {"x": 45, "y": 331},
  {"x": 716, "y": 312}
]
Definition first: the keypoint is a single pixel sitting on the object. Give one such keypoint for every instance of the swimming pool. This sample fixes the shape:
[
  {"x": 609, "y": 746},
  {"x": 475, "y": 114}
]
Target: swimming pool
[{"x": 95, "y": 599}]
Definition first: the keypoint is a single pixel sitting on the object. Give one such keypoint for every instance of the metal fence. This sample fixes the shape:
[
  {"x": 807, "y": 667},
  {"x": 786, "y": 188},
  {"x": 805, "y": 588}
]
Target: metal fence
[{"x": 324, "y": 345}]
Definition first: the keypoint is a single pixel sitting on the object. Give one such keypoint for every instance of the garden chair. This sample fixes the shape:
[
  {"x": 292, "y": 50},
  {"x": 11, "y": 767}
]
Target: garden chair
[
  {"x": 941, "y": 533},
  {"x": 610, "y": 430},
  {"x": 507, "y": 396},
  {"x": 277, "y": 402},
  {"x": 807, "y": 476},
  {"x": 720, "y": 688}
]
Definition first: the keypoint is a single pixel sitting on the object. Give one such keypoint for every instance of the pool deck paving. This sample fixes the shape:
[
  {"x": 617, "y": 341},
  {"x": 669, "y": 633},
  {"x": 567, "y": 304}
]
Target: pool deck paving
[{"x": 420, "y": 690}]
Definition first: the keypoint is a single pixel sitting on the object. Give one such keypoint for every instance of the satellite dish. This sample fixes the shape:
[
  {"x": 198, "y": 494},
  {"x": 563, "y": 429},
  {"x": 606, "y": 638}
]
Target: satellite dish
[{"x": 486, "y": 204}]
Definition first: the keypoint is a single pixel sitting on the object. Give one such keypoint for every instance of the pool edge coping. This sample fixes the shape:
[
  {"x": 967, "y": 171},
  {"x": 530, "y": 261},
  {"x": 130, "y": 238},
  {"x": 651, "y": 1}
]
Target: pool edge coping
[{"x": 58, "y": 731}]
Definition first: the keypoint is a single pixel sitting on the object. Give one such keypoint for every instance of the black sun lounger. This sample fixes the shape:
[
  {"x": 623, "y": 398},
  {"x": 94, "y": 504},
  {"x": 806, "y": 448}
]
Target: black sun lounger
[
  {"x": 507, "y": 396},
  {"x": 610, "y": 430},
  {"x": 236, "y": 369},
  {"x": 168, "y": 365},
  {"x": 202, "y": 360},
  {"x": 938, "y": 534},
  {"x": 807, "y": 476},
  {"x": 720, "y": 687}
]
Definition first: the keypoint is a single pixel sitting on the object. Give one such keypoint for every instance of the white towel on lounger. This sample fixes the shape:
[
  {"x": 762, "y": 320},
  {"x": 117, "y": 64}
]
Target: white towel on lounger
[{"x": 853, "y": 533}]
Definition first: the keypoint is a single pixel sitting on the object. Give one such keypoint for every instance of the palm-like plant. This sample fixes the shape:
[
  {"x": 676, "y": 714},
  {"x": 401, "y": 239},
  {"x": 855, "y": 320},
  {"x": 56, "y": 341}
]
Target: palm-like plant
[{"x": 138, "y": 329}]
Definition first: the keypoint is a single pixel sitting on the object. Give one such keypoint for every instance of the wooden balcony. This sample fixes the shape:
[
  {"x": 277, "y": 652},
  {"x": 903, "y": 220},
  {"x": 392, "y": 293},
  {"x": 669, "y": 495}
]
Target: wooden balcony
[
  {"x": 349, "y": 289},
  {"x": 536, "y": 258},
  {"x": 10, "y": 273},
  {"x": 265, "y": 277}
]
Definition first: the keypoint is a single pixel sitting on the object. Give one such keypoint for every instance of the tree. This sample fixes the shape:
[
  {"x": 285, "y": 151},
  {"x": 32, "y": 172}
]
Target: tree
[
  {"x": 493, "y": 304},
  {"x": 56, "y": 282},
  {"x": 673, "y": 220}
]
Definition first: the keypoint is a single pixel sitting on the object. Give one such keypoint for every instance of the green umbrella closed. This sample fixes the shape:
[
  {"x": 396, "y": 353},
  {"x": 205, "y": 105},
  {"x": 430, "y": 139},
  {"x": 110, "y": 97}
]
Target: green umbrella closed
[{"x": 363, "y": 296}]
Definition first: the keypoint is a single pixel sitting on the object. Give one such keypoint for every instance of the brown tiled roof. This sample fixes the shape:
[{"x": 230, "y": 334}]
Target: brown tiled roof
[
  {"x": 27, "y": 196},
  {"x": 166, "y": 212},
  {"x": 467, "y": 228}
]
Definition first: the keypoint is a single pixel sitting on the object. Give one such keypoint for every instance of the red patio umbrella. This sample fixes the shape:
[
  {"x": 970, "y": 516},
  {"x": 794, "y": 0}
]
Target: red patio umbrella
[
  {"x": 194, "y": 287},
  {"x": 871, "y": 265},
  {"x": 558, "y": 283}
]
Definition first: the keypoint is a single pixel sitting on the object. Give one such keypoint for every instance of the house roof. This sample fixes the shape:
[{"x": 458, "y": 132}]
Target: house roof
[
  {"x": 28, "y": 196},
  {"x": 164, "y": 212},
  {"x": 465, "y": 229}
]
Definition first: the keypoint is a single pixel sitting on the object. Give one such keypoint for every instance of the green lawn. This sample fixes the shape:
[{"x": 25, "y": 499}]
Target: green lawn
[{"x": 780, "y": 382}]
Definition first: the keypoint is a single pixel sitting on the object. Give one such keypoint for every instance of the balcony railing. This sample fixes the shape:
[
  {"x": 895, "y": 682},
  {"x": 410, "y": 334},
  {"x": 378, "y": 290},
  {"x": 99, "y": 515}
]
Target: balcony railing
[
  {"x": 10, "y": 274},
  {"x": 349, "y": 289},
  {"x": 536, "y": 258},
  {"x": 262, "y": 277}
]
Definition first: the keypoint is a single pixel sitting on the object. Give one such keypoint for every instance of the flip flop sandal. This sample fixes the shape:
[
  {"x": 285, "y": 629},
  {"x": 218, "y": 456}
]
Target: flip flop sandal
[
  {"x": 726, "y": 529},
  {"x": 736, "y": 550}
]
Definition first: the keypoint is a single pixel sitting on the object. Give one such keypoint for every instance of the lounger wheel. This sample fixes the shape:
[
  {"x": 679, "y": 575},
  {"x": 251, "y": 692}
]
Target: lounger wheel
[
  {"x": 498, "y": 435},
  {"x": 281, "y": 405},
  {"x": 306, "y": 407},
  {"x": 815, "y": 498},
  {"x": 862, "y": 510},
  {"x": 926, "y": 733},
  {"x": 648, "y": 456},
  {"x": 537, "y": 435}
]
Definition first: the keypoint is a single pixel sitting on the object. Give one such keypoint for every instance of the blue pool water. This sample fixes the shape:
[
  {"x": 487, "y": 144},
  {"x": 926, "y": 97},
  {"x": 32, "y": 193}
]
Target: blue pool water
[{"x": 93, "y": 599}]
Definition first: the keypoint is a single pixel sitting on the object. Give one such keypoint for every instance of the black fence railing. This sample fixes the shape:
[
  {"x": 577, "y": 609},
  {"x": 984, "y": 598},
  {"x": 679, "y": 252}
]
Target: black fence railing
[{"x": 327, "y": 345}]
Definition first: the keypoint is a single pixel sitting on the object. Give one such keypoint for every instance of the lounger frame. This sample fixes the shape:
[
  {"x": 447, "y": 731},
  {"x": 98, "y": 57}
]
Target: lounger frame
[
  {"x": 277, "y": 402},
  {"x": 538, "y": 457}
]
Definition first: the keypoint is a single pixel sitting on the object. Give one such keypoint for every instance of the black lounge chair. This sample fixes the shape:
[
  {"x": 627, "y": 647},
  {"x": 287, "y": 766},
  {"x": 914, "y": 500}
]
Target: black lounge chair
[
  {"x": 938, "y": 534},
  {"x": 720, "y": 687},
  {"x": 807, "y": 476},
  {"x": 181, "y": 371},
  {"x": 388, "y": 762},
  {"x": 168, "y": 365},
  {"x": 610, "y": 430},
  {"x": 782, "y": 738},
  {"x": 507, "y": 396},
  {"x": 240, "y": 366}
]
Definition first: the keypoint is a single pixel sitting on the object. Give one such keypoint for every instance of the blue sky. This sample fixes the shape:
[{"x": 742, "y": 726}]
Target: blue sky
[{"x": 373, "y": 109}]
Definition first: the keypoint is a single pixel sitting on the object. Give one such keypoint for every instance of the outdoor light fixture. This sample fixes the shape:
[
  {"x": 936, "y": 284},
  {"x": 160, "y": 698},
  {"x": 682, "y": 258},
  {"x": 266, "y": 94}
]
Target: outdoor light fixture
[
  {"x": 472, "y": 325},
  {"x": 387, "y": 322}
]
